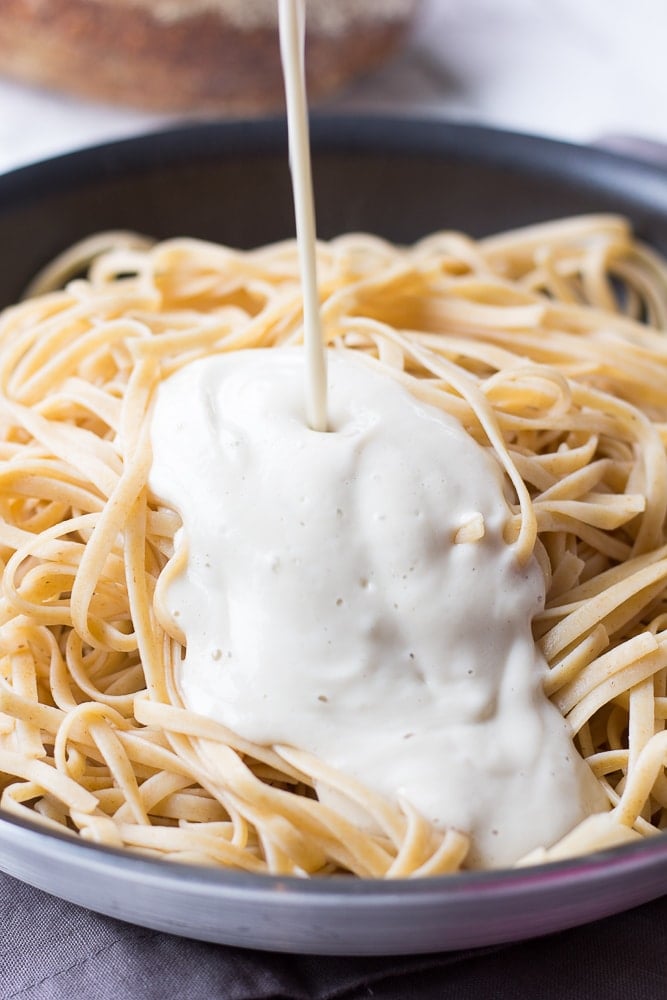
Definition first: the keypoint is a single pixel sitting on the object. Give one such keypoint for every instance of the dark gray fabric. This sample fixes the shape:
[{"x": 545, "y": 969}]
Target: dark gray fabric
[{"x": 51, "y": 950}]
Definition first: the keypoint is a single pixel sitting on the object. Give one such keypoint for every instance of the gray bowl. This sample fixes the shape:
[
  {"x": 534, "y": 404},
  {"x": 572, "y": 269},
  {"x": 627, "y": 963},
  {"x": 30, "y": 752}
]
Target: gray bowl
[{"x": 400, "y": 179}]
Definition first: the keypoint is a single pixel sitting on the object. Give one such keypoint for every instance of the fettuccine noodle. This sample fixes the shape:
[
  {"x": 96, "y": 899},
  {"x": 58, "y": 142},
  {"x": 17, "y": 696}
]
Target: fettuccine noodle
[{"x": 548, "y": 346}]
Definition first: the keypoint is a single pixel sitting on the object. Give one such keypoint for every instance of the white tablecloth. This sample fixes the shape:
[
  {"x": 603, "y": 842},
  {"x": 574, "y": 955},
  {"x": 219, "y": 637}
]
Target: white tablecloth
[{"x": 573, "y": 69}]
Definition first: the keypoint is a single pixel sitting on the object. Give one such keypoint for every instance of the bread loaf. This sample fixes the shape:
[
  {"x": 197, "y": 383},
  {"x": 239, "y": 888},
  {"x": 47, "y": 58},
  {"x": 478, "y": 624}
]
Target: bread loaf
[{"x": 190, "y": 55}]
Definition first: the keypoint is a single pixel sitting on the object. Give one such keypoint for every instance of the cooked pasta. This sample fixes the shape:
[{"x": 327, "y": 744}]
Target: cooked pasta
[{"x": 547, "y": 344}]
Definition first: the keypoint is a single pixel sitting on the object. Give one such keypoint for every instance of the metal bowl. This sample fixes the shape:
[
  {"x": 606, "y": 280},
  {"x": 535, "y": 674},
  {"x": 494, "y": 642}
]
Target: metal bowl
[{"x": 400, "y": 179}]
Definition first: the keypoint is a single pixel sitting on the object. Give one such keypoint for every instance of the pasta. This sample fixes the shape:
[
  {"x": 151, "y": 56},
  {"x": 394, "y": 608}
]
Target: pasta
[{"x": 546, "y": 343}]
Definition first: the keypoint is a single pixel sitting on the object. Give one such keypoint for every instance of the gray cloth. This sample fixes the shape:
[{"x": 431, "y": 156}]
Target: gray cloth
[{"x": 51, "y": 950}]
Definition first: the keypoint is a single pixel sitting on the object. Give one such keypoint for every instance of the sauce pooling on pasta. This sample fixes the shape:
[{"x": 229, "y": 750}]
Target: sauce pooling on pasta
[{"x": 351, "y": 594}]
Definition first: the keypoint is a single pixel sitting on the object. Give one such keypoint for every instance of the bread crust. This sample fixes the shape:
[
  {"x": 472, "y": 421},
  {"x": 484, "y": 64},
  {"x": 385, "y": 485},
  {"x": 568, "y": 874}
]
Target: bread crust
[{"x": 122, "y": 54}]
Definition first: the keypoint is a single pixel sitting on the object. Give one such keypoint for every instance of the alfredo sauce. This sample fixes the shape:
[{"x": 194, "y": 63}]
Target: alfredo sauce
[{"x": 350, "y": 594}]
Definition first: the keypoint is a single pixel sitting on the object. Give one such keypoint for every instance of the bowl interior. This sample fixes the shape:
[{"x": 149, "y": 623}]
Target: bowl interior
[{"x": 230, "y": 183}]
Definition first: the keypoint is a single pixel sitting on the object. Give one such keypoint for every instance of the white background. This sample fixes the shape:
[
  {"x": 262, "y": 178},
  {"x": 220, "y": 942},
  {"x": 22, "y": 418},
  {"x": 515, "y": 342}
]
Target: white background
[{"x": 574, "y": 69}]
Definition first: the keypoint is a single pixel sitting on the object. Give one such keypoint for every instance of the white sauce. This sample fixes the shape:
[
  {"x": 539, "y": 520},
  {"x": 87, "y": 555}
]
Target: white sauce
[
  {"x": 292, "y": 40},
  {"x": 326, "y": 604}
]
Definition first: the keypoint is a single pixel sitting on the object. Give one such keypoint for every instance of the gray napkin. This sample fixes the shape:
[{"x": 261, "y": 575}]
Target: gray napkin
[{"x": 51, "y": 950}]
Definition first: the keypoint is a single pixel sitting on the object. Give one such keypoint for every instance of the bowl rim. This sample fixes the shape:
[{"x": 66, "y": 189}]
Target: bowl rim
[
  {"x": 642, "y": 856},
  {"x": 390, "y": 133}
]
